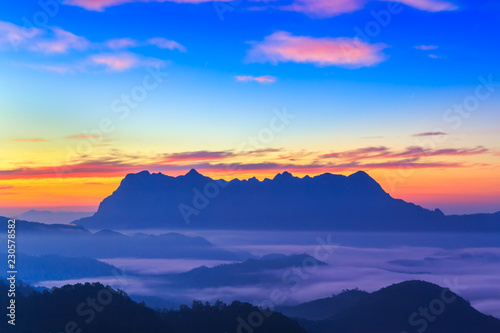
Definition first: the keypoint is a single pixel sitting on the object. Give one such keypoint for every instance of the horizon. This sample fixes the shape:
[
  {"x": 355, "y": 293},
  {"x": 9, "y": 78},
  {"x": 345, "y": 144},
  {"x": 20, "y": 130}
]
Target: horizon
[{"x": 19, "y": 211}]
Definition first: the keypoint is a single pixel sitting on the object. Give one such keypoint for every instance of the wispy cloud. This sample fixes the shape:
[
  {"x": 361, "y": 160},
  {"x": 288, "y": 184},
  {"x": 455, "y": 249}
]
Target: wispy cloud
[
  {"x": 29, "y": 140},
  {"x": 260, "y": 79},
  {"x": 121, "y": 43},
  {"x": 61, "y": 42},
  {"x": 119, "y": 62},
  {"x": 435, "y": 56},
  {"x": 429, "y": 5},
  {"x": 164, "y": 43},
  {"x": 426, "y": 47},
  {"x": 101, "y": 5},
  {"x": 282, "y": 46},
  {"x": 331, "y": 8},
  {"x": 410, "y": 152},
  {"x": 313, "y": 8},
  {"x": 117, "y": 164},
  {"x": 324, "y": 8},
  {"x": 82, "y": 136},
  {"x": 52, "y": 40},
  {"x": 12, "y": 35},
  {"x": 430, "y": 134},
  {"x": 201, "y": 155}
]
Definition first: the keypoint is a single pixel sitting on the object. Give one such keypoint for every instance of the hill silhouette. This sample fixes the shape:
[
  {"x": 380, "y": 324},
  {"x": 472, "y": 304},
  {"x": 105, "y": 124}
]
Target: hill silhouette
[
  {"x": 325, "y": 307},
  {"x": 250, "y": 272},
  {"x": 53, "y": 239},
  {"x": 325, "y": 202},
  {"x": 411, "y": 306},
  {"x": 99, "y": 309}
]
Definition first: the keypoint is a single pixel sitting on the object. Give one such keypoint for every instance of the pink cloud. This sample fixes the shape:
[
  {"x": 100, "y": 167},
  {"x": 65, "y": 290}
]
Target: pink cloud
[
  {"x": 121, "y": 43},
  {"x": 118, "y": 62},
  {"x": 282, "y": 46},
  {"x": 101, "y": 5},
  {"x": 62, "y": 42},
  {"x": 29, "y": 140},
  {"x": 429, "y": 5},
  {"x": 435, "y": 56},
  {"x": 325, "y": 8},
  {"x": 409, "y": 152},
  {"x": 314, "y": 8},
  {"x": 426, "y": 47},
  {"x": 260, "y": 79},
  {"x": 163, "y": 43},
  {"x": 14, "y": 35}
]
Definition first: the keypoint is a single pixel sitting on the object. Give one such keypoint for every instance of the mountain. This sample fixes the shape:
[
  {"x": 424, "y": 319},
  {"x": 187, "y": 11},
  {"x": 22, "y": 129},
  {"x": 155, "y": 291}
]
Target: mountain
[
  {"x": 325, "y": 202},
  {"x": 325, "y": 307},
  {"x": 100, "y": 309},
  {"x": 52, "y": 217},
  {"x": 53, "y": 267},
  {"x": 411, "y": 306},
  {"x": 53, "y": 239},
  {"x": 37, "y": 228},
  {"x": 251, "y": 272}
]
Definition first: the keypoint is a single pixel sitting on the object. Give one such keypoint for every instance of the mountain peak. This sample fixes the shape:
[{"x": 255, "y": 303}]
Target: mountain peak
[
  {"x": 283, "y": 176},
  {"x": 193, "y": 173}
]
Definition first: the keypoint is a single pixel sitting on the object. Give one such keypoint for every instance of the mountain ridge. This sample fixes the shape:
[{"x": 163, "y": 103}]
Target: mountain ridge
[{"x": 326, "y": 202}]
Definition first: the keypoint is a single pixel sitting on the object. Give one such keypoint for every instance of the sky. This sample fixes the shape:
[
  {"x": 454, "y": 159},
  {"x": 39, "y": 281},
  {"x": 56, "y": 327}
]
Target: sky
[{"x": 406, "y": 90}]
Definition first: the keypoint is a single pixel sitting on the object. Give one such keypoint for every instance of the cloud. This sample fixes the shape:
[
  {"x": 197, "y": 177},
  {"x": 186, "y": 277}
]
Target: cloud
[
  {"x": 313, "y": 8},
  {"x": 82, "y": 136},
  {"x": 260, "y": 79},
  {"x": 409, "y": 152},
  {"x": 282, "y": 46},
  {"x": 430, "y": 134},
  {"x": 52, "y": 40},
  {"x": 61, "y": 42},
  {"x": 324, "y": 8},
  {"x": 329, "y": 8},
  {"x": 101, "y": 5},
  {"x": 225, "y": 162},
  {"x": 201, "y": 155},
  {"x": 435, "y": 56},
  {"x": 121, "y": 43},
  {"x": 164, "y": 43},
  {"x": 429, "y": 5},
  {"x": 6, "y": 187},
  {"x": 117, "y": 168},
  {"x": 426, "y": 47},
  {"x": 13, "y": 35},
  {"x": 29, "y": 140},
  {"x": 118, "y": 62}
]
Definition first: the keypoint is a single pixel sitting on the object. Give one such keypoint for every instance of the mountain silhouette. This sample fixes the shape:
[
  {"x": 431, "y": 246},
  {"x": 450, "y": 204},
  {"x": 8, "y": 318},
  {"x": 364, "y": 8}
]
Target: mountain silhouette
[
  {"x": 411, "y": 306},
  {"x": 54, "y": 267},
  {"x": 93, "y": 307},
  {"x": 325, "y": 307},
  {"x": 325, "y": 202},
  {"x": 250, "y": 272},
  {"x": 54, "y": 239}
]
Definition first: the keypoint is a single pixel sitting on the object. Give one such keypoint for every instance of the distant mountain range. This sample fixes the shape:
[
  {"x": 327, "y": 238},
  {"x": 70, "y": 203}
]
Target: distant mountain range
[
  {"x": 52, "y": 217},
  {"x": 70, "y": 240},
  {"x": 325, "y": 202},
  {"x": 53, "y": 267}
]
